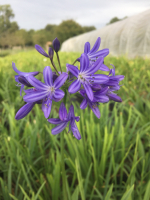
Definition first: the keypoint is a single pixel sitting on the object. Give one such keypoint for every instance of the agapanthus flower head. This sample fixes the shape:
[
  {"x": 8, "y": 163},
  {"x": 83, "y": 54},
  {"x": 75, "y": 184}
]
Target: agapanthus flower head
[
  {"x": 56, "y": 44},
  {"x": 63, "y": 120},
  {"x": 21, "y": 78},
  {"x": 47, "y": 91},
  {"x": 85, "y": 76}
]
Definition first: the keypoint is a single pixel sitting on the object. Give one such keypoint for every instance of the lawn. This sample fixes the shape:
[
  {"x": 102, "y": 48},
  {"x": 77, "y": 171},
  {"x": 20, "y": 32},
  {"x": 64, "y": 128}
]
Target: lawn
[{"x": 110, "y": 162}]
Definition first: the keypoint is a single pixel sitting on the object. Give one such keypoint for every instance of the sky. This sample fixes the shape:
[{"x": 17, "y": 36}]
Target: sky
[{"x": 36, "y": 14}]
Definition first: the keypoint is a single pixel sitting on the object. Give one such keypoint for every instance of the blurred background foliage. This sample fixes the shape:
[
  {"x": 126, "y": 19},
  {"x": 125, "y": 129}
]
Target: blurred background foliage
[{"x": 11, "y": 35}]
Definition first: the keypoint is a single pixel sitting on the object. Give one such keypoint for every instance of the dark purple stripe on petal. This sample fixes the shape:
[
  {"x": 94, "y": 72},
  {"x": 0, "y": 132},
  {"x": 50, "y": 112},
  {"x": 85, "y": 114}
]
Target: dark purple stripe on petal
[
  {"x": 24, "y": 110},
  {"x": 84, "y": 62},
  {"x": 41, "y": 50},
  {"x": 96, "y": 46},
  {"x": 36, "y": 83},
  {"x": 102, "y": 53},
  {"x": 54, "y": 121},
  {"x": 62, "y": 111},
  {"x": 34, "y": 96},
  {"x": 60, "y": 80},
  {"x": 95, "y": 66},
  {"x": 59, "y": 94},
  {"x": 48, "y": 76},
  {"x": 83, "y": 105},
  {"x": 89, "y": 91},
  {"x": 59, "y": 128},
  {"x": 74, "y": 70},
  {"x": 86, "y": 47},
  {"x": 74, "y": 87}
]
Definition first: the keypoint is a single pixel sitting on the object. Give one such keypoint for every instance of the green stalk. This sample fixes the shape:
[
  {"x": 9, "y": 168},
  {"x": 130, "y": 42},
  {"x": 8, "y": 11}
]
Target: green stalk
[
  {"x": 59, "y": 61},
  {"x": 65, "y": 197},
  {"x": 54, "y": 66}
]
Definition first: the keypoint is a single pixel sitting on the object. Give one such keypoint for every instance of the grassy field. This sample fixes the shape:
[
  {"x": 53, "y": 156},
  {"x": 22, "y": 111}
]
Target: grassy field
[{"x": 110, "y": 162}]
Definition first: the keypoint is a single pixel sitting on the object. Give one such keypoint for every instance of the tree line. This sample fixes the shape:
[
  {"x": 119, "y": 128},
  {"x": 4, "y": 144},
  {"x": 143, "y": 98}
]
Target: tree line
[{"x": 11, "y": 35}]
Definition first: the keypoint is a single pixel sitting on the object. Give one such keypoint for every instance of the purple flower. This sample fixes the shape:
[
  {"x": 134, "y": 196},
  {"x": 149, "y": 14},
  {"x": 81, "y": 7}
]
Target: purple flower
[
  {"x": 86, "y": 76},
  {"x": 48, "y": 91},
  {"x": 41, "y": 50},
  {"x": 63, "y": 120},
  {"x": 22, "y": 77},
  {"x": 99, "y": 96}
]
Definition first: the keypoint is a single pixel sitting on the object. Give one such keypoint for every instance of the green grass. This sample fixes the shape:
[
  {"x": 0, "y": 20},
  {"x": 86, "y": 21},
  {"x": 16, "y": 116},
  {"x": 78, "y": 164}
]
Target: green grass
[{"x": 110, "y": 162}]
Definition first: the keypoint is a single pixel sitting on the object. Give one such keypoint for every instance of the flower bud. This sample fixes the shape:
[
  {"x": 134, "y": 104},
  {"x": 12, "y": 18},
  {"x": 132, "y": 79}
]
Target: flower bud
[
  {"x": 50, "y": 53},
  {"x": 56, "y": 45}
]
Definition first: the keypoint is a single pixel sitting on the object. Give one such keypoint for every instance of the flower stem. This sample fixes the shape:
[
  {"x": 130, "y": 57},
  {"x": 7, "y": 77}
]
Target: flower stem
[
  {"x": 65, "y": 197},
  {"x": 54, "y": 66},
  {"x": 59, "y": 61}
]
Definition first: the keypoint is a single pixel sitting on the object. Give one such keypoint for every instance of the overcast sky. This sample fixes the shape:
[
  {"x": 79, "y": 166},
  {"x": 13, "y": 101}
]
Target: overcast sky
[{"x": 36, "y": 14}]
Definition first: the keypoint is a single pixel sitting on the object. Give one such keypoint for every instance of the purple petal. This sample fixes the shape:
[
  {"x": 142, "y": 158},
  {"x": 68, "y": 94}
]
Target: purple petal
[
  {"x": 96, "y": 86},
  {"x": 48, "y": 76},
  {"x": 59, "y": 94},
  {"x": 75, "y": 130},
  {"x": 56, "y": 44},
  {"x": 54, "y": 121},
  {"x": 95, "y": 66},
  {"x": 74, "y": 87},
  {"x": 30, "y": 90},
  {"x": 84, "y": 62},
  {"x": 62, "y": 111},
  {"x": 46, "y": 108},
  {"x": 103, "y": 68},
  {"x": 118, "y": 77},
  {"x": 60, "y": 80},
  {"x": 102, "y": 53},
  {"x": 95, "y": 110},
  {"x": 99, "y": 78},
  {"x": 89, "y": 91},
  {"x": 71, "y": 112},
  {"x": 59, "y": 128},
  {"x": 35, "y": 96},
  {"x": 86, "y": 47},
  {"x": 101, "y": 98},
  {"x": 36, "y": 83},
  {"x": 24, "y": 81},
  {"x": 96, "y": 46},
  {"x": 103, "y": 91},
  {"x": 15, "y": 68},
  {"x": 73, "y": 69},
  {"x": 77, "y": 118},
  {"x": 24, "y": 110},
  {"x": 82, "y": 92},
  {"x": 112, "y": 82},
  {"x": 83, "y": 105},
  {"x": 41, "y": 50},
  {"x": 114, "y": 97}
]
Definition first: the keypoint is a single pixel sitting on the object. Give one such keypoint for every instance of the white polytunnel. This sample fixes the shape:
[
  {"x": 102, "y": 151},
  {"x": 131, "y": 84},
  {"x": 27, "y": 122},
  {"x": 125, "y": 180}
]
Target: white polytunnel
[{"x": 130, "y": 37}]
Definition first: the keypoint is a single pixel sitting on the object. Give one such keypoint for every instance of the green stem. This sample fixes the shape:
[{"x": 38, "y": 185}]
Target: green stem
[
  {"x": 58, "y": 61},
  {"x": 65, "y": 197},
  {"x": 54, "y": 66},
  {"x": 75, "y": 61}
]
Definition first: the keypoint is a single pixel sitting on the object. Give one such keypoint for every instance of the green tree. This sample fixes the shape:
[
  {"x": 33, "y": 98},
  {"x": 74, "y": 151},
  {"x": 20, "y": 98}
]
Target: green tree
[{"x": 115, "y": 19}]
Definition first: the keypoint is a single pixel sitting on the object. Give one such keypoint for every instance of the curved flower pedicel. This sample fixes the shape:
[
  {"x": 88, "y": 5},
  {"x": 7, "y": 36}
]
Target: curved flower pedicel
[
  {"x": 47, "y": 91},
  {"x": 86, "y": 76},
  {"x": 21, "y": 77},
  {"x": 99, "y": 97},
  {"x": 63, "y": 120}
]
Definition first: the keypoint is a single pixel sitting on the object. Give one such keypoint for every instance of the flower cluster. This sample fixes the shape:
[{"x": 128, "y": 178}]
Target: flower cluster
[{"x": 95, "y": 88}]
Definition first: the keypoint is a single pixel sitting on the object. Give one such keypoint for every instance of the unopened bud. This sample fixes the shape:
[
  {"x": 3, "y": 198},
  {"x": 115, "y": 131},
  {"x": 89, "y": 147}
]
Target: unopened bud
[
  {"x": 50, "y": 53},
  {"x": 56, "y": 44}
]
